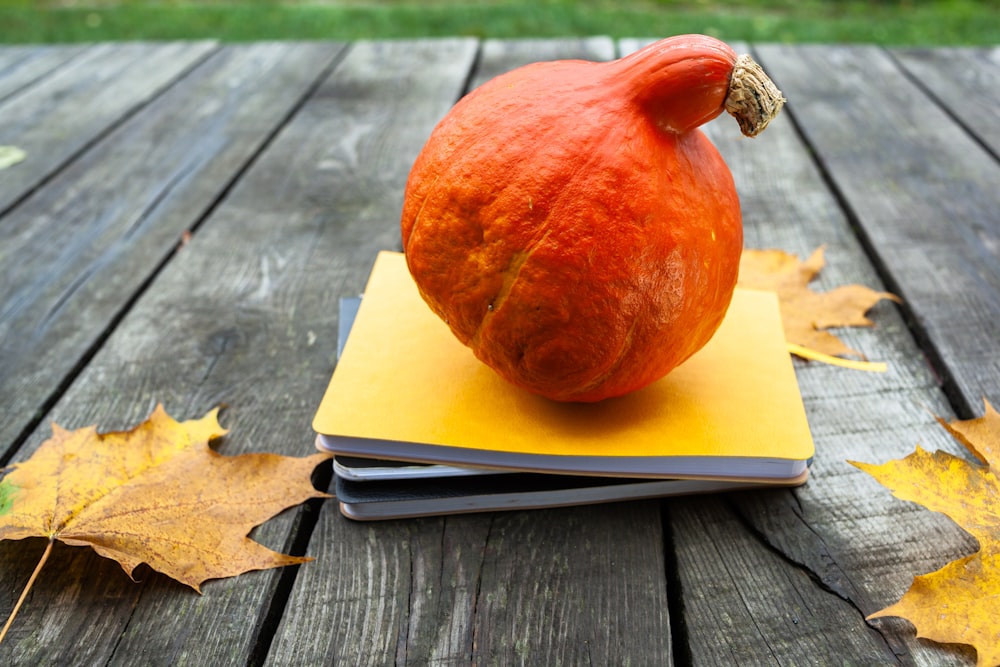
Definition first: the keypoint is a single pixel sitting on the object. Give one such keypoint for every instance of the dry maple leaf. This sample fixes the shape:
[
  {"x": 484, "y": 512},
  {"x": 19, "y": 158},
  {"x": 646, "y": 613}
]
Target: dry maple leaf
[
  {"x": 806, "y": 314},
  {"x": 157, "y": 495},
  {"x": 960, "y": 603}
]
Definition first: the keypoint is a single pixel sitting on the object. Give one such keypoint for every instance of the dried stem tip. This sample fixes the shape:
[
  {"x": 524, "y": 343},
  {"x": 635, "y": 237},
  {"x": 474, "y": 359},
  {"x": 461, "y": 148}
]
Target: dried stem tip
[{"x": 753, "y": 99}]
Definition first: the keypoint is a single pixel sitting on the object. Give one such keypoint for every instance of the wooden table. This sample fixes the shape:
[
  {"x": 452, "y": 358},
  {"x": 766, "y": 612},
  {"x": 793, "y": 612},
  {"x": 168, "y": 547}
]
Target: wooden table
[{"x": 189, "y": 214}]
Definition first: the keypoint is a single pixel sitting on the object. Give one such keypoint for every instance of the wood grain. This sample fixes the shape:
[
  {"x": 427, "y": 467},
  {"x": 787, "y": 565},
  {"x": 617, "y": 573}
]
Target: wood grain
[
  {"x": 965, "y": 82},
  {"x": 745, "y": 604},
  {"x": 574, "y": 586},
  {"x": 78, "y": 251},
  {"x": 176, "y": 347},
  {"x": 923, "y": 193},
  {"x": 499, "y": 56},
  {"x": 553, "y": 587},
  {"x": 773, "y": 576},
  {"x": 260, "y": 337},
  {"x": 23, "y": 66},
  {"x": 843, "y": 529},
  {"x": 287, "y": 164},
  {"x": 64, "y": 113}
]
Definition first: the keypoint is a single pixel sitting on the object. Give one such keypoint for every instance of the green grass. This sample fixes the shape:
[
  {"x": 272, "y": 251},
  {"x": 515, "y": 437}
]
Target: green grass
[{"x": 889, "y": 22}]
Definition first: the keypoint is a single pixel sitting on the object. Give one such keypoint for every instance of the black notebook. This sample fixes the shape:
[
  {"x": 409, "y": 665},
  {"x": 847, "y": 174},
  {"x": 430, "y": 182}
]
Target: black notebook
[{"x": 369, "y": 489}]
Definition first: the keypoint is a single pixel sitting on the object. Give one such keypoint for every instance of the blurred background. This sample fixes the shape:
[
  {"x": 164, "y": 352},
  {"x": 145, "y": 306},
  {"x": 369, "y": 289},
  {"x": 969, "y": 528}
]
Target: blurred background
[{"x": 889, "y": 22}]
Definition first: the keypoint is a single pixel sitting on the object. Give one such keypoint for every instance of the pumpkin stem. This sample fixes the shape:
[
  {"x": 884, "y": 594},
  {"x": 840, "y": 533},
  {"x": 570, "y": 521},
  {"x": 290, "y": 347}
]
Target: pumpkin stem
[{"x": 753, "y": 99}]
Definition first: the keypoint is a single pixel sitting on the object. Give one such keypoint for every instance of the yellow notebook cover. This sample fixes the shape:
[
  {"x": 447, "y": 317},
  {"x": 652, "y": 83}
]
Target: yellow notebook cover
[{"x": 405, "y": 388}]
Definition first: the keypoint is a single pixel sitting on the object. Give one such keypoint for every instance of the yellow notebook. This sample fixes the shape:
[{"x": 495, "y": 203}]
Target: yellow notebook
[{"x": 406, "y": 389}]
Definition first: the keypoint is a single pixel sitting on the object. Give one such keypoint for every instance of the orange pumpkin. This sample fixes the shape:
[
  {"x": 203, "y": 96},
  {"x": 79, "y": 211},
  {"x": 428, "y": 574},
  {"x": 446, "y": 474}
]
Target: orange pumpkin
[{"x": 572, "y": 225}]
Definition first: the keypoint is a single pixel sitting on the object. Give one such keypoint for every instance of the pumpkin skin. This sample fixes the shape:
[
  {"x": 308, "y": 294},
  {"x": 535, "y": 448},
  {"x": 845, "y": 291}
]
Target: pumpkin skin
[{"x": 571, "y": 224}]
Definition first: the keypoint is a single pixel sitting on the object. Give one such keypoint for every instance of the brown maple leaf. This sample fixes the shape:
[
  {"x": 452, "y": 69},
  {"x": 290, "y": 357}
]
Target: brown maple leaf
[
  {"x": 157, "y": 495},
  {"x": 806, "y": 314},
  {"x": 960, "y": 603}
]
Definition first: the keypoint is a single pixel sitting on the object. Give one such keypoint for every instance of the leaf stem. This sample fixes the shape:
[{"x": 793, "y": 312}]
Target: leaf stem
[
  {"x": 816, "y": 355},
  {"x": 27, "y": 589}
]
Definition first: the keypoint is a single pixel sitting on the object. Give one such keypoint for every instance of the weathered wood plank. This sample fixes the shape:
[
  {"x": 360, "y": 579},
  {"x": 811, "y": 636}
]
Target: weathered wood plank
[
  {"x": 246, "y": 315},
  {"x": 575, "y": 586},
  {"x": 500, "y": 56},
  {"x": 22, "y": 66},
  {"x": 924, "y": 194},
  {"x": 154, "y": 178},
  {"x": 546, "y": 587},
  {"x": 300, "y": 230},
  {"x": 858, "y": 543},
  {"x": 554, "y": 587},
  {"x": 745, "y": 604},
  {"x": 788, "y": 576},
  {"x": 965, "y": 81},
  {"x": 77, "y": 251},
  {"x": 63, "y": 114}
]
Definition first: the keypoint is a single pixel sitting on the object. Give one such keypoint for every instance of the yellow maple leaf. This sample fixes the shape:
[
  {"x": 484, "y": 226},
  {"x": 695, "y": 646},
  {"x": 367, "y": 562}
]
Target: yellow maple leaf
[
  {"x": 805, "y": 314},
  {"x": 960, "y": 603},
  {"x": 157, "y": 495}
]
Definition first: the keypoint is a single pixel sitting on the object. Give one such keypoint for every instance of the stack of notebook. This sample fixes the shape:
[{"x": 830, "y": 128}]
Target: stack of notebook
[{"x": 419, "y": 426}]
